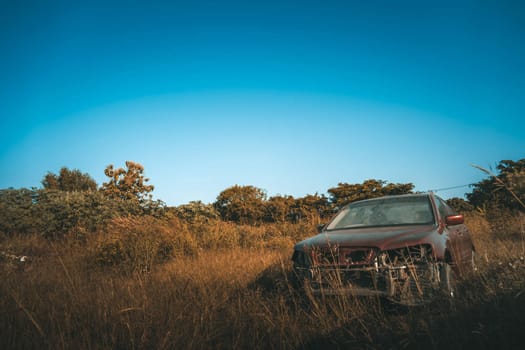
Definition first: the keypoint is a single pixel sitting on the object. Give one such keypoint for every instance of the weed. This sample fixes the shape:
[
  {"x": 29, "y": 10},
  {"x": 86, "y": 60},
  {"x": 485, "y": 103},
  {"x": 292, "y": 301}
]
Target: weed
[{"x": 201, "y": 293}]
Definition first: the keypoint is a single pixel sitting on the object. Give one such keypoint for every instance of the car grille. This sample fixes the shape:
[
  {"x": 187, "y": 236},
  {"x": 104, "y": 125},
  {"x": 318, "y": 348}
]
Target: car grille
[
  {"x": 343, "y": 256},
  {"x": 413, "y": 254}
]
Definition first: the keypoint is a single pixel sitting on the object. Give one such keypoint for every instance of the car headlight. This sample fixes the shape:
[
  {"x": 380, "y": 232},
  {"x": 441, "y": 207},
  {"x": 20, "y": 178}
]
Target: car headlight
[{"x": 300, "y": 258}]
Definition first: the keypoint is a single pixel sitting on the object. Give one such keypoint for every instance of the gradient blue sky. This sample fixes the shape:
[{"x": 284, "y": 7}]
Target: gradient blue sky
[{"x": 289, "y": 96}]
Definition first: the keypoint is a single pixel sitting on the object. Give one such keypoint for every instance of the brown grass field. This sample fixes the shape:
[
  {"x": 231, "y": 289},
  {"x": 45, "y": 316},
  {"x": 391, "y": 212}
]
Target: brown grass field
[{"x": 222, "y": 286}]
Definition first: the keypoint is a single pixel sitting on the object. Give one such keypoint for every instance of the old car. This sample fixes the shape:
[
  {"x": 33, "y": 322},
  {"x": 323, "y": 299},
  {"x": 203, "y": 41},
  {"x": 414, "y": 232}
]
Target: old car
[{"x": 406, "y": 248}]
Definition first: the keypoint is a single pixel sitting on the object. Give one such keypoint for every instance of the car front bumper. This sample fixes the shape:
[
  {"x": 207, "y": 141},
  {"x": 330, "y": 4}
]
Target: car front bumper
[{"x": 403, "y": 282}]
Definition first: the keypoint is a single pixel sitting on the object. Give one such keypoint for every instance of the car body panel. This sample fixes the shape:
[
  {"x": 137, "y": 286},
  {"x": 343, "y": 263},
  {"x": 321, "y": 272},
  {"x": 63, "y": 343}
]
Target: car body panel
[{"x": 382, "y": 238}]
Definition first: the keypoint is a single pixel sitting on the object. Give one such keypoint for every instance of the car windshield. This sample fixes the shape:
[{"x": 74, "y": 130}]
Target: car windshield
[{"x": 388, "y": 211}]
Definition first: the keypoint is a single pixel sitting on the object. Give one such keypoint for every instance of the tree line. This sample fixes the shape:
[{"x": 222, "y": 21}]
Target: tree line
[{"x": 73, "y": 201}]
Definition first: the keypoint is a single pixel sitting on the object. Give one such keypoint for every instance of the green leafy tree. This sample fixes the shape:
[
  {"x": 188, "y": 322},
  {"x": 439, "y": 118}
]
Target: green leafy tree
[
  {"x": 345, "y": 193},
  {"x": 279, "y": 209},
  {"x": 196, "y": 212},
  {"x": 241, "y": 204},
  {"x": 69, "y": 180},
  {"x": 54, "y": 213},
  {"x": 504, "y": 189},
  {"x": 127, "y": 184},
  {"x": 460, "y": 205},
  {"x": 57, "y": 213},
  {"x": 312, "y": 207},
  {"x": 15, "y": 211}
]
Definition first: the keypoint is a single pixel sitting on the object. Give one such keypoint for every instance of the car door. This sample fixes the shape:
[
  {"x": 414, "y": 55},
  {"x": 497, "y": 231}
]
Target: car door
[{"x": 461, "y": 247}]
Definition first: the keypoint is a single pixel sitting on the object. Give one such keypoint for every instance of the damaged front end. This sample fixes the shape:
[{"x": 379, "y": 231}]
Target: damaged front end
[{"x": 407, "y": 275}]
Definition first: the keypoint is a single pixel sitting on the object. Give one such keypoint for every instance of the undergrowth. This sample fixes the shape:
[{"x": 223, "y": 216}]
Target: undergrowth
[{"x": 171, "y": 285}]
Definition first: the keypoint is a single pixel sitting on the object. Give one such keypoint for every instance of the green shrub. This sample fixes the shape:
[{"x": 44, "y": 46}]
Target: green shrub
[{"x": 15, "y": 211}]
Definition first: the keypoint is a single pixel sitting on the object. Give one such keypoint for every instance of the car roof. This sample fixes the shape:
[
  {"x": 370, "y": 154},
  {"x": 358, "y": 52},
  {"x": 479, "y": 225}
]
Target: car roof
[{"x": 424, "y": 194}]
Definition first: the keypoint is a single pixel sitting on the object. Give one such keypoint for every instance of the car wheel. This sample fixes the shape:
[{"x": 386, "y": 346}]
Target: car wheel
[{"x": 447, "y": 280}]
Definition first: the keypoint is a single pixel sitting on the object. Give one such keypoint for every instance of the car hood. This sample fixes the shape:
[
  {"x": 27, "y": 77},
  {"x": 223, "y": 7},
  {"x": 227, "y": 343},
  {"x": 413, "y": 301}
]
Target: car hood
[{"x": 384, "y": 238}]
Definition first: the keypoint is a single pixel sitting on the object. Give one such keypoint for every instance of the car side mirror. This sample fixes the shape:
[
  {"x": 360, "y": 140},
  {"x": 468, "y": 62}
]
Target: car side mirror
[
  {"x": 320, "y": 227},
  {"x": 454, "y": 219}
]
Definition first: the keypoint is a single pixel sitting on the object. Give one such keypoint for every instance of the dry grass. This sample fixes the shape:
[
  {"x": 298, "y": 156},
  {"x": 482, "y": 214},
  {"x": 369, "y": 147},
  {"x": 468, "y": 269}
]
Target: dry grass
[{"x": 241, "y": 296}]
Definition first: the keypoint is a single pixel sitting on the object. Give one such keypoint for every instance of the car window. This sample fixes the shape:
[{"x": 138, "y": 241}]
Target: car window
[
  {"x": 387, "y": 211},
  {"x": 443, "y": 208}
]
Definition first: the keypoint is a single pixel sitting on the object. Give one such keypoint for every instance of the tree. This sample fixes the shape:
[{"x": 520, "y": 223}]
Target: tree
[
  {"x": 241, "y": 204},
  {"x": 312, "y": 207},
  {"x": 54, "y": 213},
  {"x": 127, "y": 184},
  {"x": 16, "y": 216},
  {"x": 279, "y": 208},
  {"x": 195, "y": 212},
  {"x": 504, "y": 189},
  {"x": 345, "y": 193},
  {"x": 69, "y": 181},
  {"x": 459, "y": 205}
]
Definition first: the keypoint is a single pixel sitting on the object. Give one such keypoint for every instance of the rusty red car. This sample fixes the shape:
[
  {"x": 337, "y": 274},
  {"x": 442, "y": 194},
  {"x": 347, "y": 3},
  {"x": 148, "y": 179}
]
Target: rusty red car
[{"x": 406, "y": 248}]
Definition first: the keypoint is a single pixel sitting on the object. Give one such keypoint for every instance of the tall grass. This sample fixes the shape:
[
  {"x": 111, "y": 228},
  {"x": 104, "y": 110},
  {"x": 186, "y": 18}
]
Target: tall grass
[{"x": 234, "y": 289}]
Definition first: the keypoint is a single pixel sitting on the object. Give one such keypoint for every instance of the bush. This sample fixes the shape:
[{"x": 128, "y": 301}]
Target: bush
[
  {"x": 195, "y": 212},
  {"x": 139, "y": 243},
  {"x": 57, "y": 212},
  {"x": 15, "y": 211},
  {"x": 215, "y": 234}
]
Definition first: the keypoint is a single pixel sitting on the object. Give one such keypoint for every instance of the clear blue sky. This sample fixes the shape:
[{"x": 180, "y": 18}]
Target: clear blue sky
[{"x": 289, "y": 96}]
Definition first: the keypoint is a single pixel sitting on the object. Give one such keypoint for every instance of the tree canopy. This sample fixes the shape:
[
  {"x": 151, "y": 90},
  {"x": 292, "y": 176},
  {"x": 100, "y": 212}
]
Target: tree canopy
[
  {"x": 505, "y": 188},
  {"x": 69, "y": 199},
  {"x": 127, "y": 184},
  {"x": 69, "y": 181},
  {"x": 279, "y": 208},
  {"x": 243, "y": 204},
  {"x": 345, "y": 193},
  {"x": 69, "y": 202}
]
